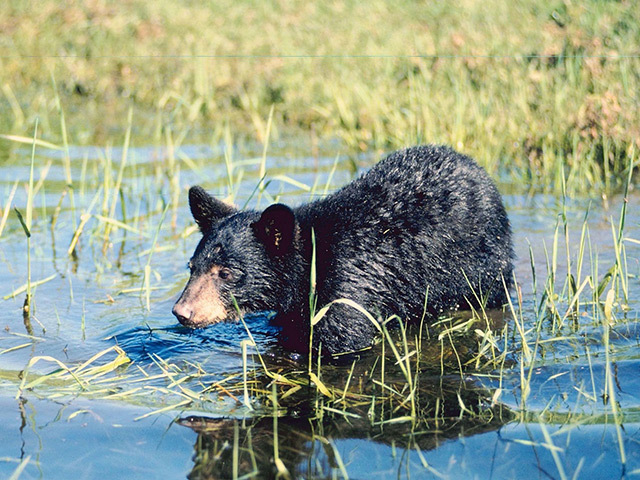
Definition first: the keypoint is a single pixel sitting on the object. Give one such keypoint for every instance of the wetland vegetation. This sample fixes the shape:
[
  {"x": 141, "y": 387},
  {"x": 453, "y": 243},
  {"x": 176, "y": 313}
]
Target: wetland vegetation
[{"x": 109, "y": 114}]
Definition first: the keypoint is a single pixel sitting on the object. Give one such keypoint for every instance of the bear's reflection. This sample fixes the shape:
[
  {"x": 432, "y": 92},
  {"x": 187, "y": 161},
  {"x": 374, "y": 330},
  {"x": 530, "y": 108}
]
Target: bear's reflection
[{"x": 309, "y": 446}]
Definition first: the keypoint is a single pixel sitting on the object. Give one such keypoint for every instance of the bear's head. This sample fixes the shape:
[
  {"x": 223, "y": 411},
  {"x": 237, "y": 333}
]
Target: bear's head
[{"x": 245, "y": 261}]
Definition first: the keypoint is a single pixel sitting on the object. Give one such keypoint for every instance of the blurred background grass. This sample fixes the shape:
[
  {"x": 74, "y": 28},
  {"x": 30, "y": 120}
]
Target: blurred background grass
[{"x": 532, "y": 87}]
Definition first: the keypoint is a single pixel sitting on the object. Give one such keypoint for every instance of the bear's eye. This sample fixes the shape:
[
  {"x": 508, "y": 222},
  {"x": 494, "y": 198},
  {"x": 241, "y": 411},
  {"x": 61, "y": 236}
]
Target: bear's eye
[{"x": 224, "y": 274}]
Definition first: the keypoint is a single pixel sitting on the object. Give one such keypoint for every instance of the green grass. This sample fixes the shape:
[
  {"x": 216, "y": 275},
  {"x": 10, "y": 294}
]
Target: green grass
[
  {"x": 543, "y": 94},
  {"x": 538, "y": 88}
]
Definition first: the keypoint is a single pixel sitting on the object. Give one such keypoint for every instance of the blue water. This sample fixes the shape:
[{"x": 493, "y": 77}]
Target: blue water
[{"x": 131, "y": 422}]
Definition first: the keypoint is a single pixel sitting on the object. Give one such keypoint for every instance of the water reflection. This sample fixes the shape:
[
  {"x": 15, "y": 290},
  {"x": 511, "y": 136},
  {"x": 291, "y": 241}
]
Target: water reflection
[
  {"x": 306, "y": 445},
  {"x": 400, "y": 402}
]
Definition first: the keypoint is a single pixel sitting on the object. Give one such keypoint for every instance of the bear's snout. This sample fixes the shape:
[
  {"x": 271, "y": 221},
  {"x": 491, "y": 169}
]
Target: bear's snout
[
  {"x": 182, "y": 312},
  {"x": 200, "y": 304}
]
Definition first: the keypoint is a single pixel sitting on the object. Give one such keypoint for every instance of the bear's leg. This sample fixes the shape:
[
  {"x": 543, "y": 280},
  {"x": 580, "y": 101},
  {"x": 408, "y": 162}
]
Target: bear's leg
[{"x": 343, "y": 329}]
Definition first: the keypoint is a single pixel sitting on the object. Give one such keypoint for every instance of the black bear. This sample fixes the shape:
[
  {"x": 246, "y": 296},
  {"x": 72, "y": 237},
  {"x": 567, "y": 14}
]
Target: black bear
[{"x": 425, "y": 223}]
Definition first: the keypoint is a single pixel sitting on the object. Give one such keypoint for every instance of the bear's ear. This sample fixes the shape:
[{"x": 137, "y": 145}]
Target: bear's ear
[
  {"x": 276, "y": 229},
  {"x": 207, "y": 210}
]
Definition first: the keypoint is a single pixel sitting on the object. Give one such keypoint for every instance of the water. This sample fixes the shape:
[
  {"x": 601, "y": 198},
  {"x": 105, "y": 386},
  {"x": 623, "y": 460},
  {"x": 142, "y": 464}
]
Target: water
[{"x": 172, "y": 402}]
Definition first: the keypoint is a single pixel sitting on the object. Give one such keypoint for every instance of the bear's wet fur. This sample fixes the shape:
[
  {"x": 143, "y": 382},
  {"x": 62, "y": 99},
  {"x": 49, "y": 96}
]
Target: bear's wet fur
[{"x": 425, "y": 221}]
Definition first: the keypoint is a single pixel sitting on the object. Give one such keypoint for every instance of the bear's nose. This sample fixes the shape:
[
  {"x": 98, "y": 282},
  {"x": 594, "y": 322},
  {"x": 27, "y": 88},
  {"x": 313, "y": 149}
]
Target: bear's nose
[{"x": 182, "y": 312}]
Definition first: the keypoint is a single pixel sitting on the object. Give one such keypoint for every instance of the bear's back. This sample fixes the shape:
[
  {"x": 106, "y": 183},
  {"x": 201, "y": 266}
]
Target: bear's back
[
  {"x": 429, "y": 186},
  {"x": 422, "y": 217}
]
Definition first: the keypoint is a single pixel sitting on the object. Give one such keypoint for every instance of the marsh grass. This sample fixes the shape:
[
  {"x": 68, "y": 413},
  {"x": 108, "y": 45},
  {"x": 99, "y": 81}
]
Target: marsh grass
[
  {"x": 578, "y": 293},
  {"x": 396, "y": 384},
  {"x": 26, "y": 224},
  {"x": 542, "y": 97}
]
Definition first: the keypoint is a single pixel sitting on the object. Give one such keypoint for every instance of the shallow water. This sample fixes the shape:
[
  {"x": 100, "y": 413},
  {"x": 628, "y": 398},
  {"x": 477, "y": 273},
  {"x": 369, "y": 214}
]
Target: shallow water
[{"x": 154, "y": 416}]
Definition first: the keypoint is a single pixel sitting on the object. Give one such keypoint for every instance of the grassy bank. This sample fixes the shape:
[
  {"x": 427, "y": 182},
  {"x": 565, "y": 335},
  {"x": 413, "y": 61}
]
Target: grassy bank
[{"x": 532, "y": 87}]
